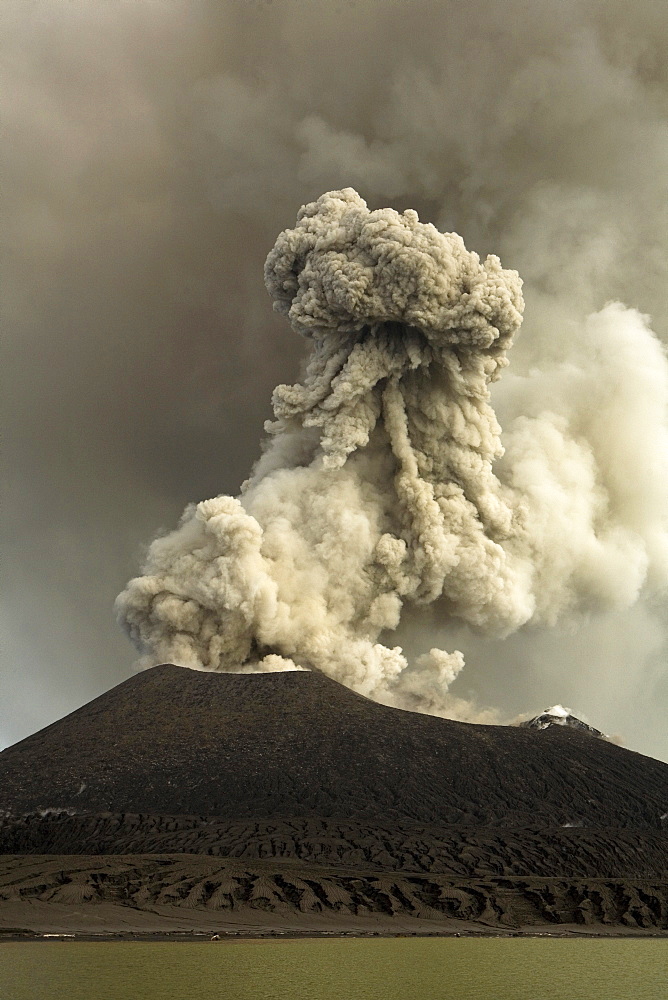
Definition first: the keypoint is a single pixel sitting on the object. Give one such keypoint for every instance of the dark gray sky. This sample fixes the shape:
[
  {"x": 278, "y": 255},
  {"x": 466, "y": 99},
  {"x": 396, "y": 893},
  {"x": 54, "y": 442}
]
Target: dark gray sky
[{"x": 152, "y": 152}]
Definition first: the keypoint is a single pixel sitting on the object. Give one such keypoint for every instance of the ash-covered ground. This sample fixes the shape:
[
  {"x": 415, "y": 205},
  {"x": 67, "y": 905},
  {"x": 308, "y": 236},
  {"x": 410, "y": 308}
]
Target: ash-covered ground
[{"x": 377, "y": 813}]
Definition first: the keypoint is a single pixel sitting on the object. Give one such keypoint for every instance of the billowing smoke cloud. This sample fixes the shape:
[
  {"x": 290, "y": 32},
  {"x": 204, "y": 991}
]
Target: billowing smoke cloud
[
  {"x": 377, "y": 488},
  {"x": 152, "y": 151}
]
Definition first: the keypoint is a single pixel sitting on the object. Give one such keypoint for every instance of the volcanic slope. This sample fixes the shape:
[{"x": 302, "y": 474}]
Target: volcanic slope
[{"x": 177, "y": 742}]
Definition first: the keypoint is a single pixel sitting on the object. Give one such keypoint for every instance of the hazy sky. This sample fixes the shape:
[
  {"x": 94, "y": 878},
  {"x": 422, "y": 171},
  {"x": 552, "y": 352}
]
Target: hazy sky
[{"x": 153, "y": 149}]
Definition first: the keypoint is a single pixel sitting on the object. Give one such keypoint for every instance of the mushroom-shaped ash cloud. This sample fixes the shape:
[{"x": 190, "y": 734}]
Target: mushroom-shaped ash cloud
[{"x": 376, "y": 489}]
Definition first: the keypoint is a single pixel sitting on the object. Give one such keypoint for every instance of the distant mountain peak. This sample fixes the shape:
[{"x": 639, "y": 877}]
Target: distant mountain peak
[{"x": 560, "y": 716}]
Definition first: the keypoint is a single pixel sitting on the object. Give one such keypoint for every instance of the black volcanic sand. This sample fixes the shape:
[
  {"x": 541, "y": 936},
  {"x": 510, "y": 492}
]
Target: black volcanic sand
[
  {"x": 458, "y": 851},
  {"x": 316, "y": 807},
  {"x": 181, "y": 892}
]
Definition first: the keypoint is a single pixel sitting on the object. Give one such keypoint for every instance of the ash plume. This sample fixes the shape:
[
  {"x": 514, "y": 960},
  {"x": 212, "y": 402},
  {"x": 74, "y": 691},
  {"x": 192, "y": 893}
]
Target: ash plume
[
  {"x": 377, "y": 490},
  {"x": 153, "y": 152}
]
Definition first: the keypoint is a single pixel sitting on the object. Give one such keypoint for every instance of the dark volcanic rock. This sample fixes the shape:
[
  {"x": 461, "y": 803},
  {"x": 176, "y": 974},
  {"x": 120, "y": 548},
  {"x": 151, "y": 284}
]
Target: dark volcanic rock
[{"x": 173, "y": 741}]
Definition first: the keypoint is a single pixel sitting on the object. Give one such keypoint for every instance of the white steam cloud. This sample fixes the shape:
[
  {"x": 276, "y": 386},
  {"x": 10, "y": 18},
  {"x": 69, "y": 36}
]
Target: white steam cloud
[{"x": 384, "y": 485}]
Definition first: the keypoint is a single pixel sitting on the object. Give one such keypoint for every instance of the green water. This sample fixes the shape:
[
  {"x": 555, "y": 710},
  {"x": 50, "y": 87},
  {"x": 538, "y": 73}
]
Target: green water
[{"x": 385, "y": 969}]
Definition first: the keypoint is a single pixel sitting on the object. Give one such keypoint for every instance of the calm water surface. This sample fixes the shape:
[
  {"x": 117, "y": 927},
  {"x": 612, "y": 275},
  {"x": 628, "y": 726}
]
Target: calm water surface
[{"x": 385, "y": 969}]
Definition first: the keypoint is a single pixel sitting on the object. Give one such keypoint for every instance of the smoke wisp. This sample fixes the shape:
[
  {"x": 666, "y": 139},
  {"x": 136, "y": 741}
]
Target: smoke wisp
[{"x": 377, "y": 488}]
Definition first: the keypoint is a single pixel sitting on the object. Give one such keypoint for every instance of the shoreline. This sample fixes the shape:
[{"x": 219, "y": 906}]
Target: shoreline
[{"x": 244, "y": 936}]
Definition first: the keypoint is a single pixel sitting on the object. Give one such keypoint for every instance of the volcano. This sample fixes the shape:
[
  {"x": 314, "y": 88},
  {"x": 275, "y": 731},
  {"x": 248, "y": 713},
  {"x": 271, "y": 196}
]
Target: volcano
[
  {"x": 290, "y": 795},
  {"x": 174, "y": 741}
]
